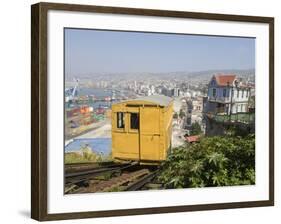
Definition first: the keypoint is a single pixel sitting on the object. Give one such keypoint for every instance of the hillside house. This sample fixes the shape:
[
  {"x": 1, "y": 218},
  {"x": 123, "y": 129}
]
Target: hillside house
[{"x": 227, "y": 95}]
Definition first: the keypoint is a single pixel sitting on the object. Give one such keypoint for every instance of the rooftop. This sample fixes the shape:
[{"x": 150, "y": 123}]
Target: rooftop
[
  {"x": 224, "y": 79},
  {"x": 160, "y": 100},
  {"x": 193, "y": 138}
]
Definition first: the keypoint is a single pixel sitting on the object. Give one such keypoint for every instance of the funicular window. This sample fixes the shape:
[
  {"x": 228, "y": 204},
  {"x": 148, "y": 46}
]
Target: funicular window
[
  {"x": 120, "y": 120},
  {"x": 134, "y": 120}
]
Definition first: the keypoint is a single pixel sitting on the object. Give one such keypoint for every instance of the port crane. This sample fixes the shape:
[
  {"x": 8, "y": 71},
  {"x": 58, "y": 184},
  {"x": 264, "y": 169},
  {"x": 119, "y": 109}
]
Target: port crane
[{"x": 70, "y": 93}]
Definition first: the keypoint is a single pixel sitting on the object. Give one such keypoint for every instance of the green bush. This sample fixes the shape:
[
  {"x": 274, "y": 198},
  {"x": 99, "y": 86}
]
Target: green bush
[
  {"x": 175, "y": 116},
  {"x": 215, "y": 161},
  {"x": 195, "y": 129},
  {"x": 181, "y": 113}
]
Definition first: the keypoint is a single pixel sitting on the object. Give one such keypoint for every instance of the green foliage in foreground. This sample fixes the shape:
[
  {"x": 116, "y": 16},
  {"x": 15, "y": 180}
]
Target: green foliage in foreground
[
  {"x": 215, "y": 161},
  {"x": 195, "y": 129}
]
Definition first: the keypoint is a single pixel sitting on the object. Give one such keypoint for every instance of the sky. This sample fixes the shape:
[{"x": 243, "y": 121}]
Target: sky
[{"x": 97, "y": 51}]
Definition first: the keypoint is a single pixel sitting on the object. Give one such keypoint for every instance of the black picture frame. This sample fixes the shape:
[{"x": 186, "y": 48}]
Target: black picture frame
[{"x": 39, "y": 110}]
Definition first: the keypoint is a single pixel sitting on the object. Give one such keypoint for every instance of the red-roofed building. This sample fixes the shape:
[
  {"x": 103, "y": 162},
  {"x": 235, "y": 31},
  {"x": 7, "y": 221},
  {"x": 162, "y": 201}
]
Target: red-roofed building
[
  {"x": 227, "y": 95},
  {"x": 225, "y": 79},
  {"x": 192, "y": 139}
]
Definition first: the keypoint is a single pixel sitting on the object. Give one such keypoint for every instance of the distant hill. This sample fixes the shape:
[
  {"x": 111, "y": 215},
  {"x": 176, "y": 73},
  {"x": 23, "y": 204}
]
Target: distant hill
[
  {"x": 239, "y": 72},
  {"x": 249, "y": 73}
]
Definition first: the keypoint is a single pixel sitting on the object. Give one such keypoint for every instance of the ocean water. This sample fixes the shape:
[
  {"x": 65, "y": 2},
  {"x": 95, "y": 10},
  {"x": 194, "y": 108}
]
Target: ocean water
[
  {"x": 99, "y": 93},
  {"x": 100, "y": 146}
]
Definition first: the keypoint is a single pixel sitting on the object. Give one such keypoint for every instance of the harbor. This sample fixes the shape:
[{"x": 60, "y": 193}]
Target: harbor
[{"x": 88, "y": 119}]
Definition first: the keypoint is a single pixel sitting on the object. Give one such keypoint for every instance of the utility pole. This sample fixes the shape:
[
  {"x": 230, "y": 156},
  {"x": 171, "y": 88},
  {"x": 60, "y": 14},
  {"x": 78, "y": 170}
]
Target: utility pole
[
  {"x": 249, "y": 98},
  {"x": 230, "y": 112}
]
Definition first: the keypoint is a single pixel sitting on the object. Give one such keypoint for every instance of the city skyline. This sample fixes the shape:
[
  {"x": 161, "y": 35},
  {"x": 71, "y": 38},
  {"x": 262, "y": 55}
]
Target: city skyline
[{"x": 99, "y": 51}]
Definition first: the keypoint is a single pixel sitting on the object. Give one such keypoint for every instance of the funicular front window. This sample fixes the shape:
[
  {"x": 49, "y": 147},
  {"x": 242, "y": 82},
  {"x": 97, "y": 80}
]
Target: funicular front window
[
  {"x": 134, "y": 120},
  {"x": 120, "y": 120}
]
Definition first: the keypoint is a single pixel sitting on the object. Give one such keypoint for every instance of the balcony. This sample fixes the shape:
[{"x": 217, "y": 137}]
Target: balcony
[
  {"x": 219, "y": 99},
  {"x": 225, "y": 100},
  {"x": 246, "y": 118}
]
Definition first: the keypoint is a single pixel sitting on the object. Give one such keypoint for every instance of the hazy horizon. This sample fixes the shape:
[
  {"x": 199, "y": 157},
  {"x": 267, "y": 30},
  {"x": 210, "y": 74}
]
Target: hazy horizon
[{"x": 97, "y": 51}]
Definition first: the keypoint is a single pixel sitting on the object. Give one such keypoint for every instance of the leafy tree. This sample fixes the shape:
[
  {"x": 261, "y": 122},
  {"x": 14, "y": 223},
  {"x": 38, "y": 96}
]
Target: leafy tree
[
  {"x": 215, "y": 161},
  {"x": 195, "y": 129},
  {"x": 181, "y": 113}
]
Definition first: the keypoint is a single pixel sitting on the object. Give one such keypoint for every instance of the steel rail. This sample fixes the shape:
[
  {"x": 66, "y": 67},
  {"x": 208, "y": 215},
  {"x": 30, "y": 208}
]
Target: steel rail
[
  {"x": 141, "y": 182},
  {"x": 115, "y": 182},
  {"x": 89, "y": 164},
  {"x": 73, "y": 169},
  {"x": 77, "y": 177}
]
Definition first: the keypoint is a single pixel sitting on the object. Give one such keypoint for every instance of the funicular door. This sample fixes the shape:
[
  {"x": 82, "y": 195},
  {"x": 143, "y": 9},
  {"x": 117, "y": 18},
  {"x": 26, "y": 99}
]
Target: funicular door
[
  {"x": 132, "y": 138},
  {"x": 149, "y": 133}
]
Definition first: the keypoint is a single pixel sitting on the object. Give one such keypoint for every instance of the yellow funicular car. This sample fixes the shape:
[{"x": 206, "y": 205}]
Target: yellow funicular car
[{"x": 142, "y": 129}]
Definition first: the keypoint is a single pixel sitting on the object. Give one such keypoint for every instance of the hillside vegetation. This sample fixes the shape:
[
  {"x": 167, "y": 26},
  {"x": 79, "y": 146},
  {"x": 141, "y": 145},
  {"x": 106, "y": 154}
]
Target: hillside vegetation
[
  {"x": 214, "y": 161},
  {"x": 85, "y": 155}
]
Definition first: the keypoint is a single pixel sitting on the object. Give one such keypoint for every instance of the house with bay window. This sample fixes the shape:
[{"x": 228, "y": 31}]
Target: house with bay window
[{"x": 227, "y": 95}]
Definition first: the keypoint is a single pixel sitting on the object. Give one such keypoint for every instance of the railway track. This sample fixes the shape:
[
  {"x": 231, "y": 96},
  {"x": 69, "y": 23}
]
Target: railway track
[
  {"x": 114, "y": 177},
  {"x": 75, "y": 167},
  {"x": 141, "y": 182},
  {"x": 91, "y": 168},
  {"x": 79, "y": 176}
]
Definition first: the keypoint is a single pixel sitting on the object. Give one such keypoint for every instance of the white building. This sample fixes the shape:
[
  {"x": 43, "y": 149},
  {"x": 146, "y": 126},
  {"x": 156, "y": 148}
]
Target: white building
[
  {"x": 227, "y": 95},
  {"x": 175, "y": 92}
]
